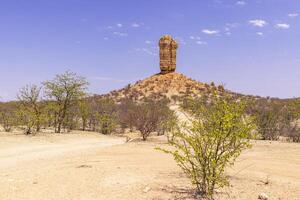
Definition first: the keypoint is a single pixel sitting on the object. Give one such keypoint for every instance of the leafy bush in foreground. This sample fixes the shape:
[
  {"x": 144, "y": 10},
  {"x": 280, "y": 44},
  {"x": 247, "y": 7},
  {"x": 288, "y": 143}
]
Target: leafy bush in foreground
[{"x": 217, "y": 136}]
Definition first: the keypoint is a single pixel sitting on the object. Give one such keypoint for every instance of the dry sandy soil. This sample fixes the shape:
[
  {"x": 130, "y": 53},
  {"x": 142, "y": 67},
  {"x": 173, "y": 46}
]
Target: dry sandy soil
[{"x": 90, "y": 166}]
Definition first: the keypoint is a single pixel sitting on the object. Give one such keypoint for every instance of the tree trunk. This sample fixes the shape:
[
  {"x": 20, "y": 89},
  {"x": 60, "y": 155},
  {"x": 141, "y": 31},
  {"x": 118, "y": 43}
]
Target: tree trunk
[
  {"x": 58, "y": 127},
  {"x": 144, "y": 135},
  {"x": 83, "y": 125},
  {"x": 38, "y": 127}
]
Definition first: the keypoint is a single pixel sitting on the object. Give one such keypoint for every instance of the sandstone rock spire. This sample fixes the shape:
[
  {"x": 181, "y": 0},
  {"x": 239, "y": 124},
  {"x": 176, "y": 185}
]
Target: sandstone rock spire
[{"x": 167, "y": 53}]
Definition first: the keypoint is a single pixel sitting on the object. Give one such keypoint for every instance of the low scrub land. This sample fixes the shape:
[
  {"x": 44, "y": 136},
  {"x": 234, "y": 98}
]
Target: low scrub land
[{"x": 87, "y": 165}]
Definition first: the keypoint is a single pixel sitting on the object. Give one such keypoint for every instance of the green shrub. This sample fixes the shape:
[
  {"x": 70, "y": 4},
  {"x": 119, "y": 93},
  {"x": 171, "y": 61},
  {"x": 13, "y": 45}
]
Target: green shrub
[
  {"x": 107, "y": 123},
  {"x": 218, "y": 134}
]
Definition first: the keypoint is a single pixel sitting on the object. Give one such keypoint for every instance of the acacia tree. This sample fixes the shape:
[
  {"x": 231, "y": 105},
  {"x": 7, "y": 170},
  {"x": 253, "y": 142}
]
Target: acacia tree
[
  {"x": 8, "y": 117},
  {"x": 217, "y": 136},
  {"x": 146, "y": 119},
  {"x": 30, "y": 107},
  {"x": 150, "y": 117},
  {"x": 65, "y": 90}
]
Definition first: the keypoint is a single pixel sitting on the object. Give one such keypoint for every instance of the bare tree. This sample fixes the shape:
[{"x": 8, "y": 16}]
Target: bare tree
[{"x": 150, "y": 115}]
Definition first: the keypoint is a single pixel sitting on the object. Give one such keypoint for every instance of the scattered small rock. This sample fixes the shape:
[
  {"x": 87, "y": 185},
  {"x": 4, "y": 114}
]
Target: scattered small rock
[
  {"x": 84, "y": 166},
  {"x": 147, "y": 189},
  {"x": 263, "y": 196}
]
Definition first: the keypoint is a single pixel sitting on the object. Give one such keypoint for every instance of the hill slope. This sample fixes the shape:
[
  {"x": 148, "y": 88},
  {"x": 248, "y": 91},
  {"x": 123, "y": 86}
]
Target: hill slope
[{"x": 171, "y": 85}]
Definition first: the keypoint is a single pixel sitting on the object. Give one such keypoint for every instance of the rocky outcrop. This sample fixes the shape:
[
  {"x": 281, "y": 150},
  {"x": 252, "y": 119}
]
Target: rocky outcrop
[{"x": 167, "y": 53}]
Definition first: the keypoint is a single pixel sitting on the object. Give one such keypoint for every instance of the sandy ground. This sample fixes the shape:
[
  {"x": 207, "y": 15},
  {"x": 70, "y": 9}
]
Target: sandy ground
[{"x": 89, "y": 166}]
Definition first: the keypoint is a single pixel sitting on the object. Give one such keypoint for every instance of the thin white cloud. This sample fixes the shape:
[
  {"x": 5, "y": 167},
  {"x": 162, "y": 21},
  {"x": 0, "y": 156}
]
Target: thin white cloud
[
  {"x": 195, "y": 37},
  {"x": 227, "y": 31},
  {"x": 210, "y": 32},
  {"x": 147, "y": 51},
  {"x": 293, "y": 15},
  {"x": 258, "y": 22},
  {"x": 200, "y": 42},
  {"x": 119, "y": 25},
  {"x": 148, "y": 42},
  {"x": 282, "y": 26},
  {"x": 105, "y": 38},
  {"x": 260, "y": 33},
  {"x": 120, "y": 34},
  {"x": 135, "y": 25},
  {"x": 241, "y": 3},
  {"x": 229, "y": 26},
  {"x": 232, "y": 25}
]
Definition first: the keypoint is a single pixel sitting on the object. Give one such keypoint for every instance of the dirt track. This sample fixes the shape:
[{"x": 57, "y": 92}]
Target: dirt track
[{"x": 90, "y": 166}]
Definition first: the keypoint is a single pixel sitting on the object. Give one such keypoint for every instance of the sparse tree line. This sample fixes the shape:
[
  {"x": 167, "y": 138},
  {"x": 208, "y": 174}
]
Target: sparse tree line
[
  {"x": 274, "y": 119},
  {"x": 62, "y": 104}
]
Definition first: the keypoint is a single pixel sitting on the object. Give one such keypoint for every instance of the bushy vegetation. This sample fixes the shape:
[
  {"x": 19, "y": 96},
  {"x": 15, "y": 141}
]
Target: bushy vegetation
[
  {"x": 218, "y": 133},
  {"x": 276, "y": 118},
  {"x": 64, "y": 91},
  {"x": 293, "y": 129},
  {"x": 8, "y": 116},
  {"x": 30, "y": 111},
  {"x": 147, "y": 116},
  {"x": 63, "y": 104}
]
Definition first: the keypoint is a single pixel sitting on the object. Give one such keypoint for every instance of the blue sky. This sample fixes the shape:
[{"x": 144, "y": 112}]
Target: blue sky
[{"x": 251, "y": 46}]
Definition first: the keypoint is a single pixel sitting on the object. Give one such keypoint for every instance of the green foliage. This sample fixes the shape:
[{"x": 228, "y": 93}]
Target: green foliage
[
  {"x": 107, "y": 123},
  {"x": 167, "y": 119},
  {"x": 273, "y": 118},
  {"x": 65, "y": 90},
  {"x": 30, "y": 108},
  {"x": 105, "y": 111},
  {"x": 26, "y": 121},
  {"x": 294, "y": 128},
  {"x": 8, "y": 116},
  {"x": 295, "y": 108},
  {"x": 84, "y": 110},
  {"x": 217, "y": 136},
  {"x": 268, "y": 126}
]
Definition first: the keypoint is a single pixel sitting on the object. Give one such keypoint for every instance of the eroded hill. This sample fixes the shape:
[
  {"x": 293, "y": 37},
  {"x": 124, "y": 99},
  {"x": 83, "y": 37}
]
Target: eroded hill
[{"x": 171, "y": 85}]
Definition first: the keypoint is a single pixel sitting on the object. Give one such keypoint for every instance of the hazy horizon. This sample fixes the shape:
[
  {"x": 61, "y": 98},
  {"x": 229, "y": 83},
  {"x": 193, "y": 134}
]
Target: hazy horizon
[{"x": 250, "y": 46}]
